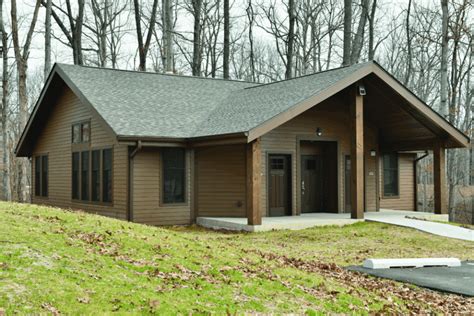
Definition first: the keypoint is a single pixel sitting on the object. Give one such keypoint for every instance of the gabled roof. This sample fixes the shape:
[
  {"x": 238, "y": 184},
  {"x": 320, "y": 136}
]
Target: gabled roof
[{"x": 151, "y": 105}]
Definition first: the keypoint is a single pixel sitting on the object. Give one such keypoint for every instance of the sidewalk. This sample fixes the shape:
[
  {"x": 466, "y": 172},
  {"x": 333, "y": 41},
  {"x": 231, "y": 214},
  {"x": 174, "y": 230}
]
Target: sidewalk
[{"x": 399, "y": 218}]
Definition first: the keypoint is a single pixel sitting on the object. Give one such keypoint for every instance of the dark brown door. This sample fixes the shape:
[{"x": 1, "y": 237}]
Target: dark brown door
[
  {"x": 311, "y": 183},
  {"x": 279, "y": 186},
  {"x": 347, "y": 184}
]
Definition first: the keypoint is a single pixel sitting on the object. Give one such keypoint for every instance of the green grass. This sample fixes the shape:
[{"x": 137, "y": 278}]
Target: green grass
[{"x": 75, "y": 263}]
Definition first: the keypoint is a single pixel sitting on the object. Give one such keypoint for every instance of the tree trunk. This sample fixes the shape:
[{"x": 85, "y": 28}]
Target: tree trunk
[
  {"x": 21, "y": 58},
  {"x": 371, "y": 30},
  {"x": 77, "y": 34},
  {"x": 197, "y": 38},
  {"x": 346, "y": 57},
  {"x": 359, "y": 36},
  {"x": 443, "y": 107},
  {"x": 6, "y": 188},
  {"x": 47, "y": 39},
  {"x": 406, "y": 80},
  {"x": 251, "y": 17},
  {"x": 168, "y": 35},
  {"x": 291, "y": 39},
  {"x": 226, "y": 39}
]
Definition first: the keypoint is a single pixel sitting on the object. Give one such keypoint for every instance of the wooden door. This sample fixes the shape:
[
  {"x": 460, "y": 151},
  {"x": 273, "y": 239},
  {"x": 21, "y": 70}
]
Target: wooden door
[
  {"x": 279, "y": 186},
  {"x": 311, "y": 183}
]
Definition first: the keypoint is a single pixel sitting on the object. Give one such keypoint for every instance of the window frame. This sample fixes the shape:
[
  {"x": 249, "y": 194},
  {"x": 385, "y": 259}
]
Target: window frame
[
  {"x": 41, "y": 157},
  {"x": 384, "y": 194},
  {"x": 89, "y": 200},
  {"x": 81, "y": 132},
  {"x": 162, "y": 179}
]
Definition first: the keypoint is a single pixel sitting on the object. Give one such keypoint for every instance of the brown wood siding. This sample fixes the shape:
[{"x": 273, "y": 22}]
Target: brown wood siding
[
  {"x": 221, "y": 180},
  {"x": 332, "y": 116},
  {"x": 55, "y": 140},
  {"x": 146, "y": 192},
  {"x": 370, "y": 143},
  {"x": 406, "y": 198}
]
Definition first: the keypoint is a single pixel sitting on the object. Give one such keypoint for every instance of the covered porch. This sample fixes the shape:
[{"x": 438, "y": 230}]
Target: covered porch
[{"x": 309, "y": 220}]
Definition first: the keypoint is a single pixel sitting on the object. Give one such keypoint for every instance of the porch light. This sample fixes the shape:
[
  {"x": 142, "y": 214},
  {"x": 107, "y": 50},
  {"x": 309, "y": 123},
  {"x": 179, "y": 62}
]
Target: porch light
[
  {"x": 373, "y": 153},
  {"x": 319, "y": 131}
]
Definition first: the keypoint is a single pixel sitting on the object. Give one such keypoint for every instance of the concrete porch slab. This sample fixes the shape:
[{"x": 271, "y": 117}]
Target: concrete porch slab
[{"x": 276, "y": 223}]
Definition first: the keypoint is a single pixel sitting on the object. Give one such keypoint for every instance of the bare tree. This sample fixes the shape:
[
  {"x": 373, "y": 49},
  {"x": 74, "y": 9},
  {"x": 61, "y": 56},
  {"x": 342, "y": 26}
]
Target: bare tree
[
  {"x": 346, "y": 57},
  {"x": 168, "y": 29},
  {"x": 47, "y": 38},
  {"x": 74, "y": 33},
  {"x": 226, "y": 39},
  {"x": 21, "y": 58},
  {"x": 443, "y": 106},
  {"x": 197, "y": 53},
  {"x": 359, "y": 36},
  {"x": 143, "y": 46},
  {"x": 291, "y": 38},
  {"x": 4, "y": 110}
]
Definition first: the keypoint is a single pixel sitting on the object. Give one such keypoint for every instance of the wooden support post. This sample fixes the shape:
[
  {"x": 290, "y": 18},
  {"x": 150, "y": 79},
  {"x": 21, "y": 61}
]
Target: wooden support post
[
  {"x": 439, "y": 170},
  {"x": 254, "y": 181},
  {"x": 357, "y": 154}
]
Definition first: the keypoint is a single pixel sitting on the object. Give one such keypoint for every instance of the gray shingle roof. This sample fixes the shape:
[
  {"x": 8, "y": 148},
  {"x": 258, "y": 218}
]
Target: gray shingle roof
[{"x": 157, "y": 105}]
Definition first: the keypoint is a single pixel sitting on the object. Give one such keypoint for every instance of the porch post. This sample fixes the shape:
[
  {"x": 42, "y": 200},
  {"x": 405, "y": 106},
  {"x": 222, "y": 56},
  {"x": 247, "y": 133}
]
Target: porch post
[
  {"x": 254, "y": 165},
  {"x": 357, "y": 154},
  {"x": 439, "y": 171}
]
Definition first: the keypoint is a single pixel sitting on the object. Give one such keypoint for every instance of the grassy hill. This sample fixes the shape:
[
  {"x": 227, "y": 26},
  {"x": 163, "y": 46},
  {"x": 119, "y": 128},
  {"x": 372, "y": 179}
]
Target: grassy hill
[{"x": 56, "y": 261}]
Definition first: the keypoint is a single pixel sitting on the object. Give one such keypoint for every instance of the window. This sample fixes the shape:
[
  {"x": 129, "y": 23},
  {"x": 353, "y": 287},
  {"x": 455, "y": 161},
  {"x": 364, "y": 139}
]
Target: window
[
  {"x": 76, "y": 133},
  {"x": 41, "y": 175},
  {"x": 173, "y": 175},
  {"x": 85, "y": 175},
  {"x": 81, "y": 133},
  {"x": 92, "y": 175},
  {"x": 44, "y": 176},
  {"x": 75, "y": 175},
  {"x": 38, "y": 176},
  {"x": 95, "y": 176},
  {"x": 390, "y": 174},
  {"x": 107, "y": 175},
  {"x": 85, "y": 133}
]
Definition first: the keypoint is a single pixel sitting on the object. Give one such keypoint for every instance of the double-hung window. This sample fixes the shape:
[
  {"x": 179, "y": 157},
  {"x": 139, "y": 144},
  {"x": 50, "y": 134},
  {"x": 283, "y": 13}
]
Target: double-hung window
[{"x": 174, "y": 175}]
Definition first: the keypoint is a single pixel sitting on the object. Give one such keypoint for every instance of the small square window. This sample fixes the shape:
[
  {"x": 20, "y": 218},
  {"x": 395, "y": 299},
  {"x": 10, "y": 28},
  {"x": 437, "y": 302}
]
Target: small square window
[
  {"x": 86, "y": 132},
  {"x": 76, "y": 133}
]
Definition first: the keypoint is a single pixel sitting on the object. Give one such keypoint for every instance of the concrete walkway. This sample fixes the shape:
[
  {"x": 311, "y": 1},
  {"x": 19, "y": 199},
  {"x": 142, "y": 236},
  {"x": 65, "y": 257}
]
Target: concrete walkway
[
  {"x": 303, "y": 221},
  {"x": 399, "y": 218}
]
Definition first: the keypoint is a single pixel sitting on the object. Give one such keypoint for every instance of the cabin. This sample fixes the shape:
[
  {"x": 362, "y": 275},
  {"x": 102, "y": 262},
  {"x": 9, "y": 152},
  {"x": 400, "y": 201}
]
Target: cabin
[{"x": 165, "y": 149}]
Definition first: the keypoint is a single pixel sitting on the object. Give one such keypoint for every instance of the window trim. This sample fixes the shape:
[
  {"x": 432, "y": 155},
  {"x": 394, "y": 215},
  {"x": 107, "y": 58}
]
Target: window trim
[
  {"x": 89, "y": 201},
  {"x": 41, "y": 196},
  {"x": 81, "y": 123},
  {"x": 162, "y": 180},
  {"x": 384, "y": 196}
]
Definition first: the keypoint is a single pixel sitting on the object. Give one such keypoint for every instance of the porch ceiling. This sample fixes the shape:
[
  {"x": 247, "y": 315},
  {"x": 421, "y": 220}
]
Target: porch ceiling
[{"x": 400, "y": 126}]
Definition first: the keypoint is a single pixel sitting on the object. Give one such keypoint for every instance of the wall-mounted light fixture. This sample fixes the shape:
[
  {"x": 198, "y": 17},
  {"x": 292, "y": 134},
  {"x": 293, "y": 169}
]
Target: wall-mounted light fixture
[
  {"x": 319, "y": 131},
  {"x": 362, "y": 90},
  {"x": 373, "y": 153}
]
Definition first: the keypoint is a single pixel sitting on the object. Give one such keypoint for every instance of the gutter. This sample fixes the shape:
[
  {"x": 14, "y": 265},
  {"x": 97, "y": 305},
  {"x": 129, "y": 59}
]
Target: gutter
[{"x": 415, "y": 179}]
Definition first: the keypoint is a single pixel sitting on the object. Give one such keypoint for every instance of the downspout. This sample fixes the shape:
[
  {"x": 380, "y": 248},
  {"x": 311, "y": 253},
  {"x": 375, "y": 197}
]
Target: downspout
[
  {"x": 415, "y": 178},
  {"x": 131, "y": 156}
]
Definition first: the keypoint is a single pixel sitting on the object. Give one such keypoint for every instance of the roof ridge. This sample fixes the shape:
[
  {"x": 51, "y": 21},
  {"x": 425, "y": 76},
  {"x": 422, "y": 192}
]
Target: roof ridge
[
  {"x": 158, "y": 73},
  {"x": 309, "y": 75}
]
